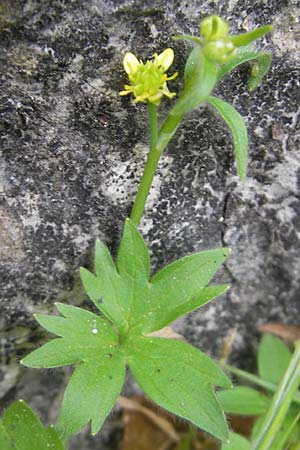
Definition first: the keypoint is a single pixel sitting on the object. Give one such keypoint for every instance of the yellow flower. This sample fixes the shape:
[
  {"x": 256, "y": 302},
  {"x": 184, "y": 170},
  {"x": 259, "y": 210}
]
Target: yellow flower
[{"x": 148, "y": 80}]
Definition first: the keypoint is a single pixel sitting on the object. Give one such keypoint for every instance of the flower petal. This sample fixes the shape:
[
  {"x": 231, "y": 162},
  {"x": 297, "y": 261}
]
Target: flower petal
[
  {"x": 130, "y": 63},
  {"x": 165, "y": 59}
]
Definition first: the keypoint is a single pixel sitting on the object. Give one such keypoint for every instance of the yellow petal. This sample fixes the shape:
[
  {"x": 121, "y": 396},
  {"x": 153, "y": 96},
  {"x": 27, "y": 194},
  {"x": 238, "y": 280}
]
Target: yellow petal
[
  {"x": 130, "y": 63},
  {"x": 124, "y": 92},
  {"x": 165, "y": 59}
]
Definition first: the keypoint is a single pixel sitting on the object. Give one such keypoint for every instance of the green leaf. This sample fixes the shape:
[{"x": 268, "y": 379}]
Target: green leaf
[
  {"x": 200, "y": 80},
  {"x": 178, "y": 377},
  {"x": 133, "y": 264},
  {"x": 133, "y": 258},
  {"x": 237, "y": 442},
  {"x": 20, "y": 429},
  {"x": 179, "y": 288},
  {"x": 273, "y": 358},
  {"x": 97, "y": 382},
  {"x": 82, "y": 334},
  {"x": 107, "y": 290},
  {"x": 277, "y": 413},
  {"x": 286, "y": 425},
  {"x": 239, "y": 132},
  {"x": 259, "y": 69},
  {"x": 137, "y": 307},
  {"x": 262, "y": 62},
  {"x": 200, "y": 77},
  {"x": 244, "y": 401},
  {"x": 246, "y": 38},
  {"x": 91, "y": 393},
  {"x": 162, "y": 316}
]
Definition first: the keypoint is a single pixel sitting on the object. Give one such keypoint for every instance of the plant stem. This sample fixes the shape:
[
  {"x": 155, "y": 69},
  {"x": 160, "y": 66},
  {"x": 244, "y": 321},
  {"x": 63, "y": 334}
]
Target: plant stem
[
  {"x": 289, "y": 434},
  {"x": 296, "y": 446},
  {"x": 280, "y": 404},
  {"x": 150, "y": 167},
  {"x": 186, "y": 443},
  {"x": 256, "y": 380}
]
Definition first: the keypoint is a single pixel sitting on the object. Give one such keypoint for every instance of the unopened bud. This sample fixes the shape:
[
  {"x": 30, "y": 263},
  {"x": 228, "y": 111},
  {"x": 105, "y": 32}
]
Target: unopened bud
[
  {"x": 213, "y": 28},
  {"x": 220, "y": 51}
]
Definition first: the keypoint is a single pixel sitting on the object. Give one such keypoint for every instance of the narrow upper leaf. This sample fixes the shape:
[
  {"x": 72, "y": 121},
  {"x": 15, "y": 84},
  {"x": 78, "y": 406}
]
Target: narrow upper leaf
[
  {"x": 239, "y": 132},
  {"x": 92, "y": 392},
  {"x": 200, "y": 80},
  {"x": 262, "y": 62},
  {"x": 273, "y": 358},
  {"x": 236, "y": 442},
  {"x": 244, "y": 401},
  {"x": 259, "y": 69},
  {"x": 200, "y": 77},
  {"x": 20, "y": 429},
  {"x": 246, "y": 38},
  {"x": 178, "y": 377}
]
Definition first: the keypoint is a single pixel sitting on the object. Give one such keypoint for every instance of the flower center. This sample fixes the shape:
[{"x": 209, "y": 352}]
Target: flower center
[{"x": 148, "y": 78}]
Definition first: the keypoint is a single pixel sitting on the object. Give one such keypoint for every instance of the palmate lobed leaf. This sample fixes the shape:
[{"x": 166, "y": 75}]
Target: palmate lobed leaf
[
  {"x": 92, "y": 391},
  {"x": 180, "y": 288},
  {"x": 132, "y": 305},
  {"x": 82, "y": 334},
  {"x": 179, "y": 378},
  {"x": 96, "y": 383},
  {"x": 147, "y": 305},
  {"x": 20, "y": 429}
]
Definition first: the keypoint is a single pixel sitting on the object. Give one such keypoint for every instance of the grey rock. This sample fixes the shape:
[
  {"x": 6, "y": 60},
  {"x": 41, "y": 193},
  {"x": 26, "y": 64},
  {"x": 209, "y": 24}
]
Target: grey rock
[{"x": 72, "y": 152}]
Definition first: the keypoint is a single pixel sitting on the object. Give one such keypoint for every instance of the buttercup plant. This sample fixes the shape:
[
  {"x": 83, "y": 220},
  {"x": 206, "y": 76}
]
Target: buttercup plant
[{"x": 133, "y": 305}]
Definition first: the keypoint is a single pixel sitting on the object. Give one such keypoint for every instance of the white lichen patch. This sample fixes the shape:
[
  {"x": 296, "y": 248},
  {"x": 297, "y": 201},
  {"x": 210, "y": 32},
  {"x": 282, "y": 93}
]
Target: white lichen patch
[
  {"x": 121, "y": 183},
  {"x": 286, "y": 34},
  {"x": 8, "y": 378},
  {"x": 31, "y": 218},
  {"x": 11, "y": 237}
]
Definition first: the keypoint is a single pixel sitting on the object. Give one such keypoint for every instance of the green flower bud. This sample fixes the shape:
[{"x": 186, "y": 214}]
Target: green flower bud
[
  {"x": 213, "y": 28},
  {"x": 220, "y": 51}
]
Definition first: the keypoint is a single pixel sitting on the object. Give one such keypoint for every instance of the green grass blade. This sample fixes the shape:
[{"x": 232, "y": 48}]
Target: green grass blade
[
  {"x": 288, "y": 436},
  {"x": 280, "y": 404},
  {"x": 256, "y": 380}
]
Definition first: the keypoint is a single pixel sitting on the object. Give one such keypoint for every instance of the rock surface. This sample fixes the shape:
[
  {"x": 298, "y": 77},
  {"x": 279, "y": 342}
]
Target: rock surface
[{"x": 72, "y": 152}]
